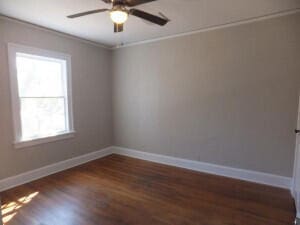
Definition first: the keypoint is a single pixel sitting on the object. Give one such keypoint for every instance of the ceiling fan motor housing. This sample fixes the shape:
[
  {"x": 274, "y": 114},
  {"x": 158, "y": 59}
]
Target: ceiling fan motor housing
[
  {"x": 119, "y": 13},
  {"x": 118, "y": 7},
  {"x": 119, "y": 3}
]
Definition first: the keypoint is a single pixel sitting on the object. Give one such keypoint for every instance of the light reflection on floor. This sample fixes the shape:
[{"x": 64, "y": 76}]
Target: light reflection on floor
[{"x": 10, "y": 210}]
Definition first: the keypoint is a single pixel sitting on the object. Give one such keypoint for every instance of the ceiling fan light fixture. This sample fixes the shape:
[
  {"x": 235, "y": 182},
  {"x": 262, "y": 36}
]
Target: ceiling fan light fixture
[
  {"x": 120, "y": 11},
  {"x": 119, "y": 16}
]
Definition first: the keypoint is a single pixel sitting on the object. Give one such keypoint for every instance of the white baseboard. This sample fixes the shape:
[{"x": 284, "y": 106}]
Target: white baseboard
[
  {"x": 247, "y": 175},
  {"x": 296, "y": 195},
  {"x": 29, "y": 176}
]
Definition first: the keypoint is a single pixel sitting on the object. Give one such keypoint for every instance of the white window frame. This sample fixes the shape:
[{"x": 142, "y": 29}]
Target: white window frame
[{"x": 13, "y": 49}]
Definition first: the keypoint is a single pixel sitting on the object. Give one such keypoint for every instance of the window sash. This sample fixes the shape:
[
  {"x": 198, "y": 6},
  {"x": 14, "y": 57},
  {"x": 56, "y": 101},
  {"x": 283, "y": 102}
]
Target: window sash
[
  {"x": 66, "y": 123},
  {"x": 63, "y": 66},
  {"x": 13, "y": 50}
]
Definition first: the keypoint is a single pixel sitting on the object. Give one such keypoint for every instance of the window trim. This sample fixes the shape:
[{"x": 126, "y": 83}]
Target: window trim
[{"x": 13, "y": 49}]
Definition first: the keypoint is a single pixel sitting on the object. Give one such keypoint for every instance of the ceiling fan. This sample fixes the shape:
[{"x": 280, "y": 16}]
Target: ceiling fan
[{"x": 119, "y": 13}]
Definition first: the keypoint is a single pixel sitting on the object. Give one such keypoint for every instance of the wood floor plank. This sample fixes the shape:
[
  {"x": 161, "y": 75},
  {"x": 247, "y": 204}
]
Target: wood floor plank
[{"x": 118, "y": 190}]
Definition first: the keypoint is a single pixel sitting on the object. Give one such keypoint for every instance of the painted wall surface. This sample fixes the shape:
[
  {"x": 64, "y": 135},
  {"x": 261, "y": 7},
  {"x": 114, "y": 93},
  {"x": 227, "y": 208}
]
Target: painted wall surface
[
  {"x": 91, "y": 86},
  {"x": 227, "y": 96}
]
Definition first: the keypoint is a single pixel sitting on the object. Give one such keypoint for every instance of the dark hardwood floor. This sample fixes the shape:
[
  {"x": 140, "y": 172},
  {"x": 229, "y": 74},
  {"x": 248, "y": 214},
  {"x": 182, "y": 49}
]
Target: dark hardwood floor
[{"x": 118, "y": 190}]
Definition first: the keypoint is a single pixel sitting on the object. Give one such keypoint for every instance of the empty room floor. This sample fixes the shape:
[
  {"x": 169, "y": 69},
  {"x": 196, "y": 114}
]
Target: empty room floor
[{"x": 118, "y": 190}]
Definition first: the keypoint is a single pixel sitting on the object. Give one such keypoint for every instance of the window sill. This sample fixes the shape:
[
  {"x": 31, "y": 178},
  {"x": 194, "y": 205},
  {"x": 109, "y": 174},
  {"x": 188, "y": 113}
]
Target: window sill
[{"x": 24, "y": 144}]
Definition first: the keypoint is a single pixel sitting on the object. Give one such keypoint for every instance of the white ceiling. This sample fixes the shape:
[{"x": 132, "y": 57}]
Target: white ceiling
[{"x": 185, "y": 15}]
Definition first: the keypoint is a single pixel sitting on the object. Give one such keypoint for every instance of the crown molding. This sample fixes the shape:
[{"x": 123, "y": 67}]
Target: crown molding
[
  {"x": 129, "y": 44},
  {"x": 211, "y": 28},
  {"x": 62, "y": 34}
]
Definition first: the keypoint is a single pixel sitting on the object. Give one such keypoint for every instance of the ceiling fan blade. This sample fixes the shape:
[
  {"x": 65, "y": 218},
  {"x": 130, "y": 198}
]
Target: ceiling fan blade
[
  {"x": 132, "y": 3},
  {"x": 147, "y": 16},
  {"x": 87, "y": 13},
  {"x": 163, "y": 16},
  {"x": 118, "y": 27}
]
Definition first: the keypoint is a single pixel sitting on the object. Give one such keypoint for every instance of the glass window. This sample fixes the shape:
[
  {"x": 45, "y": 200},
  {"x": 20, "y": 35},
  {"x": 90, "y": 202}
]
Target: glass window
[{"x": 41, "y": 97}]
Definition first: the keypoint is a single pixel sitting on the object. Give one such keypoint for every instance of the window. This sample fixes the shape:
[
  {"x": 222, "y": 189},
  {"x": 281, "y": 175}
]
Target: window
[{"x": 41, "y": 95}]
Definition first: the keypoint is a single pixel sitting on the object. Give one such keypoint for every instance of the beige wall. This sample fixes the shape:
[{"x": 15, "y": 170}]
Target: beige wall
[
  {"x": 91, "y": 81},
  {"x": 227, "y": 96}
]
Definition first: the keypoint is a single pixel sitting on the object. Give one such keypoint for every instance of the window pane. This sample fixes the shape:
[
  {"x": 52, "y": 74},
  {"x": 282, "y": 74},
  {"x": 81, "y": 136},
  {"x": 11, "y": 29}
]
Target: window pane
[
  {"x": 42, "y": 117},
  {"x": 39, "y": 77}
]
